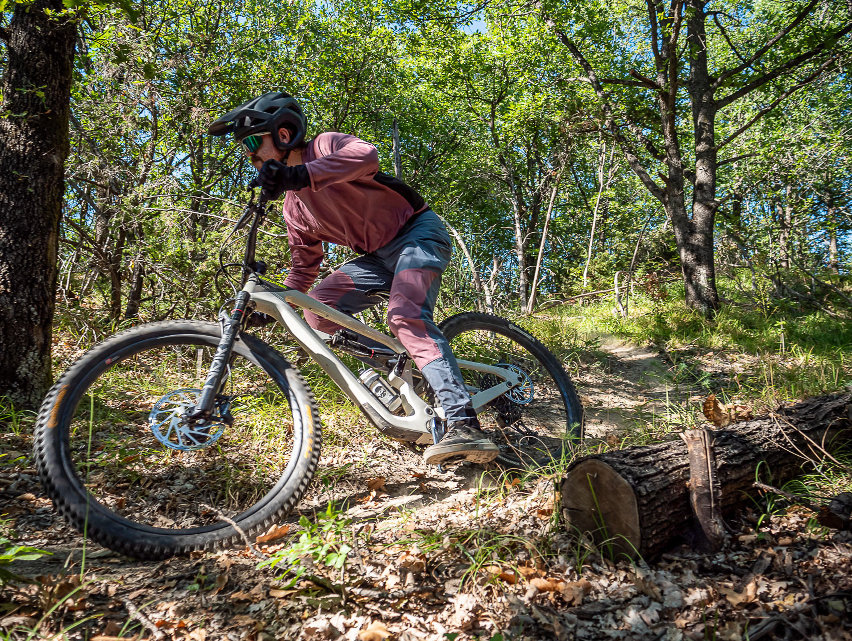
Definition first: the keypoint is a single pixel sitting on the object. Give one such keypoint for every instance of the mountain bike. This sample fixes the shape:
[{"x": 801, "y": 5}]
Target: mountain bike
[{"x": 185, "y": 435}]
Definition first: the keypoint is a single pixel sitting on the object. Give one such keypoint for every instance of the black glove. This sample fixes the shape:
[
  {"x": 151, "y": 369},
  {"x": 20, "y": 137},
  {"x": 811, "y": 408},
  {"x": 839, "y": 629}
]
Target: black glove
[{"x": 276, "y": 178}]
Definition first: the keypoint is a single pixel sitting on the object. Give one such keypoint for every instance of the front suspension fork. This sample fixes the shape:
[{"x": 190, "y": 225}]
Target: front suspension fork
[{"x": 204, "y": 409}]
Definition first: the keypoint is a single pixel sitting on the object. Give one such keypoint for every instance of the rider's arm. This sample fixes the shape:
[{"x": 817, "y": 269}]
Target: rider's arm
[
  {"x": 341, "y": 158},
  {"x": 306, "y": 256}
]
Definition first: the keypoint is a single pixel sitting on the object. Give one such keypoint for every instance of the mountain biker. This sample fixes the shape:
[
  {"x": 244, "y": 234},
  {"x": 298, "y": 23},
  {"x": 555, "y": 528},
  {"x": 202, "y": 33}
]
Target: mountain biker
[{"x": 336, "y": 193}]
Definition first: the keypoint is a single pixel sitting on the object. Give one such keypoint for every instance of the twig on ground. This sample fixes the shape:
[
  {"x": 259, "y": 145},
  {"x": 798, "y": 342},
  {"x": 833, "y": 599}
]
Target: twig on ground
[
  {"x": 136, "y": 613},
  {"x": 763, "y": 628},
  {"x": 819, "y": 448},
  {"x": 239, "y": 530},
  {"x": 796, "y": 499},
  {"x": 357, "y": 550}
]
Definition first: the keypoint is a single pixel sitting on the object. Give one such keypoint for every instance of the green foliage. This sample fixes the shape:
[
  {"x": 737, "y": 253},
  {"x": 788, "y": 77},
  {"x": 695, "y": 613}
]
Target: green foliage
[
  {"x": 13, "y": 419},
  {"x": 9, "y": 553},
  {"x": 320, "y": 542},
  {"x": 491, "y": 124}
]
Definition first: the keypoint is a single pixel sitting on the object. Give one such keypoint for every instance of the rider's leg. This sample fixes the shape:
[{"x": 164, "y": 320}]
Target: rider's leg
[
  {"x": 419, "y": 255},
  {"x": 352, "y": 288}
]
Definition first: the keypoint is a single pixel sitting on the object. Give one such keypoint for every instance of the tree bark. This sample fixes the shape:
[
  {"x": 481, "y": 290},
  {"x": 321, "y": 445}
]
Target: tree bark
[
  {"x": 601, "y": 187},
  {"x": 34, "y": 144},
  {"x": 134, "y": 296},
  {"x": 638, "y": 500},
  {"x": 784, "y": 212},
  {"x": 540, "y": 257},
  {"x": 397, "y": 152},
  {"x": 477, "y": 281},
  {"x": 696, "y": 241}
]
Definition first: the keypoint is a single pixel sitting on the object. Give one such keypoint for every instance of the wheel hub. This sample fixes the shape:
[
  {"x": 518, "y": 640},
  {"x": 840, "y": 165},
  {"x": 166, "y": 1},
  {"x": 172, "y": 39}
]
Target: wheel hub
[
  {"x": 508, "y": 405},
  {"x": 169, "y": 425},
  {"x": 523, "y": 392}
]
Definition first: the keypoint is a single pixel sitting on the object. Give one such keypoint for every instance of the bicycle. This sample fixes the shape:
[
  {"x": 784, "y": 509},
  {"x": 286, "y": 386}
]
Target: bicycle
[{"x": 185, "y": 435}]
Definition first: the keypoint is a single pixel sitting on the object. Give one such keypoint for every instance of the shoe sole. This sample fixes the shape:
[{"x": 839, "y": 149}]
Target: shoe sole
[{"x": 474, "y": 455}]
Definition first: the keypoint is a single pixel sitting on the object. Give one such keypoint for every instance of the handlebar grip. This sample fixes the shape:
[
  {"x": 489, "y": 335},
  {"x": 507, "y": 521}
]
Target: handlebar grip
[{"x": 265, "y": 197}]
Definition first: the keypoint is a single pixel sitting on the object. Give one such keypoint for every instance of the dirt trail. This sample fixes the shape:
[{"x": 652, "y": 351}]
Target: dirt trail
[
  {"x": 624, "y": 384},
  {"x": 466, "y": 552}
]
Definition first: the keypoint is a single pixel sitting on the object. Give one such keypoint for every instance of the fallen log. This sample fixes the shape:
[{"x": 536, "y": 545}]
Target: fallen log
[{"x": 638, "y": 500}]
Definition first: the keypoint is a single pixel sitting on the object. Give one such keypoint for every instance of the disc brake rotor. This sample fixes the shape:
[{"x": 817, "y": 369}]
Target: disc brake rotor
[{"x": 168, "y": 425}]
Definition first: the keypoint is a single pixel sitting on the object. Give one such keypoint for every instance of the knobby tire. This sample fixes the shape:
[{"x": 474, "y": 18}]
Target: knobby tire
[{"x": 93, "y": 426}]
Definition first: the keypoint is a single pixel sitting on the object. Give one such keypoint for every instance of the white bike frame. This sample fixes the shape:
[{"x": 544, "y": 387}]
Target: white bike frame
[{"x": 416, "y": 424}]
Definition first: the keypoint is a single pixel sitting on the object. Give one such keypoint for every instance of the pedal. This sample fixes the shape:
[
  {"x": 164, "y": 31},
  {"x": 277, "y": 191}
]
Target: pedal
[{"x": 437, "y": 428}]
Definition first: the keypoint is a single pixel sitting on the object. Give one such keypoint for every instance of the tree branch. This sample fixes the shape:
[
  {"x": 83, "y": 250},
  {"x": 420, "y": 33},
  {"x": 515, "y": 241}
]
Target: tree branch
[
  {"x": 607, "y": 81},
  {"x": 632, "y": 158},
  {"x": 645, "y": 82},
  {"x": 647, "y": 142},
  {"x": 677, "y": 11},
  {"x": 787, "y": 66},
  {"x": 655, "y": 45},
  {"x": 734, "y": 159},
  {"x": 724, "y": 33},
  {"x": 759, "y": 53},
  {"x": 776, "y": 102}
]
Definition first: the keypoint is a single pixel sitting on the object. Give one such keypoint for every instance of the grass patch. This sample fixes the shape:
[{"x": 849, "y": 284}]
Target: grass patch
[{"x": 785, "y": 353}]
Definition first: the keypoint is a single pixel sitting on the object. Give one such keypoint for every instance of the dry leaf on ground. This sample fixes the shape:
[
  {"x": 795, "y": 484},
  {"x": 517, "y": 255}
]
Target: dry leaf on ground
[
  {"x": 722, "y": 415},
  {"x": 547, "y": 585},
  {"x": 377, "y": 484},
  {"x": 735, "y": 598},
  {"x": 274, "y": 534},
  {"x": 575, "y": 592},
  {"x": 376, "y": 631},
  {"x": 715, "y": 411}
]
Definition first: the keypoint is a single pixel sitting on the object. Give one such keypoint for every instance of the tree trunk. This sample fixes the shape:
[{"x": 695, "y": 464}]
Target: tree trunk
[
  {"x": 477, "y": 281},
  {"x": 638, "y": 499},
  {"x": 540, "y": 257},
  {"x": 601, "y": 187},
  {"x": 134, "y": 296},
  {"x": 695, "y": 247},
  {"x": 785, "y": 226},
  {"x": 520, "y": 253},
  {"x": 33, "y": 147},
  {"x": 696, "y": 244},
  {"x": 397, "y": 152}
]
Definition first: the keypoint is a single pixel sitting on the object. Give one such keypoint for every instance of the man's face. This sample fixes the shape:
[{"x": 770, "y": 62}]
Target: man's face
[{"x": 267, "y": 149}]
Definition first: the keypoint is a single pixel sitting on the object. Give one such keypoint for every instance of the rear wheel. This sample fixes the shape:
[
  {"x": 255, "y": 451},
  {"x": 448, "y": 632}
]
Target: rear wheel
[
  {"x": 536, "y": 422},
  {"x": 122, "y": 464}
]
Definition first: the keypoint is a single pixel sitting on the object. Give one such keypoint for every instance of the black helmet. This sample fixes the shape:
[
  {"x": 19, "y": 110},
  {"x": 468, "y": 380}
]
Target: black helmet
[{"x": 267, "y": 113}]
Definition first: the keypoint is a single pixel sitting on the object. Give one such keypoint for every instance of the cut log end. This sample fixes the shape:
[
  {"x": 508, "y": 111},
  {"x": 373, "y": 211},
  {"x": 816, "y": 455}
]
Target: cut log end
[
  {"x": 598, "y": 500},
  {"x": 645, "y": 499}
]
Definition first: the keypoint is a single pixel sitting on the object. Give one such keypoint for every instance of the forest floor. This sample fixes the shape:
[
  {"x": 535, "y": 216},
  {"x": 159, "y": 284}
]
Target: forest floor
[{"x": 465, "y": 554}]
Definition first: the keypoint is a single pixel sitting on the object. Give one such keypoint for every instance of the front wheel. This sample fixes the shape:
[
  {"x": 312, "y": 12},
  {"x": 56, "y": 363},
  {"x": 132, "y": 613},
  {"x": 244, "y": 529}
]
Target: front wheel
[
  {"x": 538, "y": 421},
  {"x": 121, "y": 462}
]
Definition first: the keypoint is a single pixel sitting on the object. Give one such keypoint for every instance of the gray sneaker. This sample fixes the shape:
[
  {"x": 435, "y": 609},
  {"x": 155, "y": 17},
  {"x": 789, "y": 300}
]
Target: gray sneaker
[{"x": 462, "y": 440}]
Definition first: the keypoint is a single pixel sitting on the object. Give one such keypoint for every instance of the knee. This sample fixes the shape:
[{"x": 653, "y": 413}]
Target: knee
[{"x": 397, "y": 319}]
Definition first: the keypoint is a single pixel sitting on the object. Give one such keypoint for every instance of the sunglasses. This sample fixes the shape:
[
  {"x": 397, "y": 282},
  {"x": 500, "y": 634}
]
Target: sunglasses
[{"x": 253, "y": 143}]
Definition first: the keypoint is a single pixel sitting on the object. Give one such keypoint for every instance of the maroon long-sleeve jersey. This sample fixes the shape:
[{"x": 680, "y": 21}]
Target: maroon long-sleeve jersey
[{"x": 349, "y": 202}]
